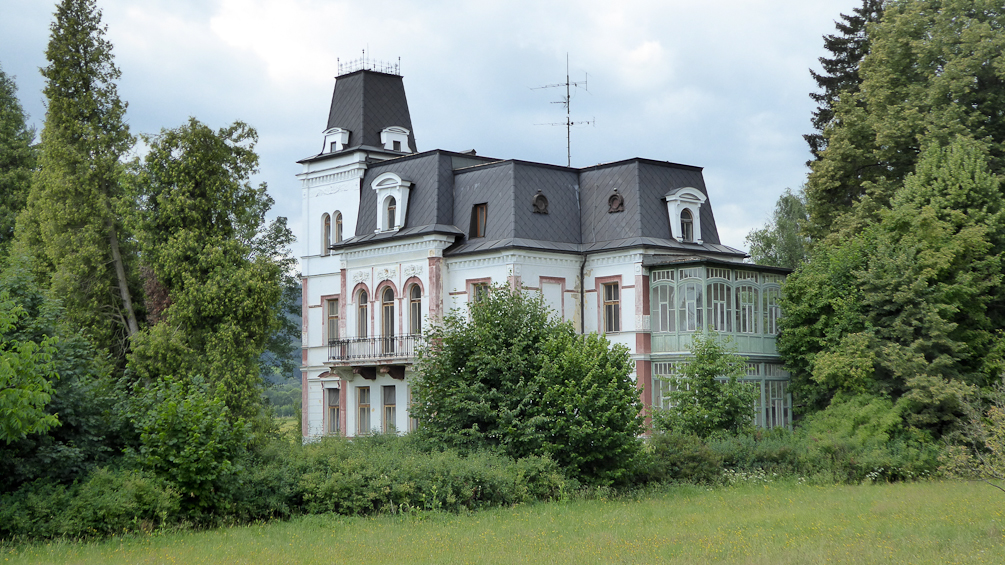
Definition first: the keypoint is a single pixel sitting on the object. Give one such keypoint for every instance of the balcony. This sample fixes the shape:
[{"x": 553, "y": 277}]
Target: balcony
[{"x": 379, "y": 350}]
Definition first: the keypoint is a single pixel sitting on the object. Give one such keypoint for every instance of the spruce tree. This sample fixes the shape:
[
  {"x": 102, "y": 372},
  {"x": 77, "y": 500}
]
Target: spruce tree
[
  {"x": 17, "y": 159},
  {"x": 71, "y": 228},
  {"x": 841, "y": 76}
]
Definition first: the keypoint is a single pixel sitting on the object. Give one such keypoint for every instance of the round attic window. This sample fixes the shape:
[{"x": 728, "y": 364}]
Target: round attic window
[
  {"x": 540, "y": 203},
  {"x": 616, "y": 203}
]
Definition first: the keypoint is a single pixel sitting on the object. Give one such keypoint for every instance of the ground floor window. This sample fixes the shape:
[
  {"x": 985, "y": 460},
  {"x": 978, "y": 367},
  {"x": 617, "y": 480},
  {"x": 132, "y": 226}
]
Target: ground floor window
[
  {"x": 333, "y": 410},
  {"x": 390, "y": 408},
  {"x": 363, "y": 403}
]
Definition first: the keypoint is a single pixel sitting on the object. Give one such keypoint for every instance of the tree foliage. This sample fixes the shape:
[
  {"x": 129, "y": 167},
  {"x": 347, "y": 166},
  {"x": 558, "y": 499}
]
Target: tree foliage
[
  {"x": 908, "y": 307},
  {"x": 781, "y": 242},
  {"x": 707, "y": 395},
  {"x": 17, "y": 159},
  {"x": 209, "y": 253},
  {"x": 71, "y": 227},
  {"x": 505, "y": 375},
  {"x": 933, "y": 71},
  {"x": 26, "y": 376},
  {"x": 840, "y": 77}
]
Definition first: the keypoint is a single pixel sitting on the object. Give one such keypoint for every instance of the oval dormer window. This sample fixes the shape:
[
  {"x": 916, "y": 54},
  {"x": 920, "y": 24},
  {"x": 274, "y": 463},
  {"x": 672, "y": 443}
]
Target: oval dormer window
[
  {"x": 686, "y": 225},
  {"x": 390, "y": 213}
]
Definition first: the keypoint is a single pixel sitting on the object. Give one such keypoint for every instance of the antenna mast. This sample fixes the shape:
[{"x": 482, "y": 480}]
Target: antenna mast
[{"x": 566, "y": 101}]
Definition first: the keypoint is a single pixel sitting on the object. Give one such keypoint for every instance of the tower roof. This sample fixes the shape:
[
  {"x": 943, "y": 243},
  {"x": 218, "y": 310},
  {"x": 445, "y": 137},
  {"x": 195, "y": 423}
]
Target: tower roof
[{"x": 365, "y": 102}]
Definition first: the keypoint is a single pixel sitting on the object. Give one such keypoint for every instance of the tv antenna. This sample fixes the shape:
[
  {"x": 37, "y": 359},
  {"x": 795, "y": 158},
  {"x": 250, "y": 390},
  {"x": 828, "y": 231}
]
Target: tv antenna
[{"x": 566, "y": 101}]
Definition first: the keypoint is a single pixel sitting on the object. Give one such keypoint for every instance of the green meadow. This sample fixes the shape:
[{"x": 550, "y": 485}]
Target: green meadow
[{"x": 924, "y": 522}]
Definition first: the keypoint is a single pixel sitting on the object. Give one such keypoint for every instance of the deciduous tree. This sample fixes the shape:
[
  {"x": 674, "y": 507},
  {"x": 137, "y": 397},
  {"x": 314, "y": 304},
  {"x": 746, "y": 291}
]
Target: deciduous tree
[
  {"x": 781, "y": 242},
  {"x": 506, "y": 375}
]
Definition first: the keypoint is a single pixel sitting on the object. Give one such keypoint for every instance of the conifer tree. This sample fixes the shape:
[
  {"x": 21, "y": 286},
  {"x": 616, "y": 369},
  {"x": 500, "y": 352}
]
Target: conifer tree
[
  {"x": 841, "y": 76},
  {"x": 71, "y": 228},
  {"x": 17, "y": 159},
  {"x": 933, "y": 71},
  {"x": 781, "y": 242}
]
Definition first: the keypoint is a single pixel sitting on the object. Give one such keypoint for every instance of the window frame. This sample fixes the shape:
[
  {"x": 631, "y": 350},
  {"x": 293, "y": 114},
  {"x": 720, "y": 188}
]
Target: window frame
[
  {"x": 333, "y": 411},
  {"x": 612, "y": 306},
  {"x": 390, "y": 412},
  {"x": 415, "y": 310},
  {"x": 326, "y": 233},
  {"x": 687, "y": 226},
  {"x": 363, "y": 410},
  {"x": 332, "y": 318},
  {"x": 338, "y": 227},
  {"x": 362, "y": 313},
  {"x": 479, "y": 220}
]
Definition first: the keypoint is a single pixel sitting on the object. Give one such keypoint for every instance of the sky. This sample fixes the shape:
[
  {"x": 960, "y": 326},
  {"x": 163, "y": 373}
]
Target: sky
[{"x": 721, "y": 84}]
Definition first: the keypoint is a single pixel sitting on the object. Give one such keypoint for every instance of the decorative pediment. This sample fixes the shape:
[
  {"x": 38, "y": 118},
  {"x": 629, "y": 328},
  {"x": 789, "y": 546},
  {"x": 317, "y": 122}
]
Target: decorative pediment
[
  {"x": 392, "y": 201},
  {"x": 685, "y": 227}
]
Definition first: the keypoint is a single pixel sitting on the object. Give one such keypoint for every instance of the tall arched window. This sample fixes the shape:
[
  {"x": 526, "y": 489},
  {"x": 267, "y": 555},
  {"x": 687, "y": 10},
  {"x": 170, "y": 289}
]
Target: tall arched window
[
  {"x": 387, "y": 313},
  {"x": 326, "y": 233},
  {"x": 338, "y": 227},
  {"x": 391, "y": 205},
  {"x": 361, "y": 314},
  {"x": 415, "y": 310},
  {"x": 686, "y": 225}
]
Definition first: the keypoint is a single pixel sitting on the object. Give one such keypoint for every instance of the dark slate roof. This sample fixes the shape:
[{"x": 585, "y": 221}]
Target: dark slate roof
[
  {"x": 365, "y": 102},
  {"x": 446, "y": 186}
]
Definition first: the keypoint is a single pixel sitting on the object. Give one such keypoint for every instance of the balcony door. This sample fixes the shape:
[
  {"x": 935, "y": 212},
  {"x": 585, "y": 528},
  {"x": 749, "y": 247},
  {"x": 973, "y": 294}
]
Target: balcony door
[{"x": 387, "y": 321}]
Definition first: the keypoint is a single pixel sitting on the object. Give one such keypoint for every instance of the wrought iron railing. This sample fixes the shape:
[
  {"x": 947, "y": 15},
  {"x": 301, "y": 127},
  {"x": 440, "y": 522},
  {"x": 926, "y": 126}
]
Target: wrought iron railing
[{"x": 393, "y": 348}]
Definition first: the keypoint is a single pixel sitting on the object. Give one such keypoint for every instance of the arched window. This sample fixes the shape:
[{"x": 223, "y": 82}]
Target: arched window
[
  {"x": 361, "y": 314},
  {"x": 326, "y": 233},
  {"x": 338, "y": 227},
  {"x": 415, "y": 310},
  {"x": 686, "y": 225},
  {"x": 387, "y": 313},
  {"x": 391, "y": 205}
]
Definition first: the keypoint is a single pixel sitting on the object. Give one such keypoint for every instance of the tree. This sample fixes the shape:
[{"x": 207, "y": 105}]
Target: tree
[
  {"x": 841, "y": 76},
  {"x": 26, "y": 376},
  {"x": 933, "y": 71},
  {"x": 908, "y": 307},
  {"x": 505, "y": 375},
  {"x": 17, "y": 159},
  {"x": 218, "y": 267},
  {"x": 707, "y": 395},
  {"x": 71, "y": 225},
  {"x": 781, "y": 242}
]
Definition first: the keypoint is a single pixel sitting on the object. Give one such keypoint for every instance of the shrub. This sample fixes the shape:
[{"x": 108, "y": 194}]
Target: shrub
[
  {"x": 682, "y": 457},
  {"x": 106, "y": 502},
  {"x": 187, "y": 438}
]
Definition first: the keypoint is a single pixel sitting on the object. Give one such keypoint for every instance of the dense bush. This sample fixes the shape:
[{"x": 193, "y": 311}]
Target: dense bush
[{"x": 106, "y": 502}]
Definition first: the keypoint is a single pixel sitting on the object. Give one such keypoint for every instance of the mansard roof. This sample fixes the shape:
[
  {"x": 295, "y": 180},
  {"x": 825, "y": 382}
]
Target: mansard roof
[
  {"x": 365, "y": 102},
  {"x": 579, "y": 219}
]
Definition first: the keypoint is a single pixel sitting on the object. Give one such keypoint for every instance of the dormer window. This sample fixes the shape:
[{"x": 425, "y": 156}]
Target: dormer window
[
  {"x": 395, "y": 138},
  {"x": 392, "y": 201},
  {"x": 683, "y": 206},
  {"x": 686, "y": 225},
  {"x": 478, "y": 216},
  {"x": 335, "y": 140}
]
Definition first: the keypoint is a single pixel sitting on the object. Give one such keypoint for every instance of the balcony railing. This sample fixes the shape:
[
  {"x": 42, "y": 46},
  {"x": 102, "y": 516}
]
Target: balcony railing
[{"x": 363, "y": 349}]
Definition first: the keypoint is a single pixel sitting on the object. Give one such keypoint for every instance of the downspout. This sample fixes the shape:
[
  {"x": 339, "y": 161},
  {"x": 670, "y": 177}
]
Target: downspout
[{"x": 582, "y": 297}]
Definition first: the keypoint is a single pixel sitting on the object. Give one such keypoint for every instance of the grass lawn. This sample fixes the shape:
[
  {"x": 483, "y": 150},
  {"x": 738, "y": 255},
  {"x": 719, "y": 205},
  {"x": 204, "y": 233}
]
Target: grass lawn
[{"x": 932, "y": 522}]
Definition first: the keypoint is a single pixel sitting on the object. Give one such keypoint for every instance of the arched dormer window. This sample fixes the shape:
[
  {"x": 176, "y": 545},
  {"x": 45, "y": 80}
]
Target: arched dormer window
[
  {"x": 395, "y": 138},
  {"x": 686, "y": 225},
  {"x": 326, "y": 233},
  {"x": 392, "y": 201},
  {"x": 679, "y": 201},
  {"x": 338, "y": 227}
]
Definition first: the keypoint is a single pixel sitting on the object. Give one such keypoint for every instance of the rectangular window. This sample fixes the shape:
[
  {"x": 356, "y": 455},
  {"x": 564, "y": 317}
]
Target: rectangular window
[
  {"x": 396, "y": 145},
  {"x": 692, "y": 273},
  {"x": 334, "y": 425},
  {"x": 720, "y": 314},
  {"x": 363, "y": 403},
  {"x": 666, "y": 380},
  {"x": 772, "y": 310},
  {"x": 480, "y": 291},
  {"x": 689, "y": 307},
  {"x": 657, "y": 276},
  {"x": 746, "y": 309},
  {"x": 612, "y": 308},
  {"x": 478, "y": 216},
  {"x": 413, "y": 423},
  {"x": 661, "y": 300},
  {"x": 779, "y": 403},
  {"x": 390, "y": 408},
  {"x": 332, "y": 315}
]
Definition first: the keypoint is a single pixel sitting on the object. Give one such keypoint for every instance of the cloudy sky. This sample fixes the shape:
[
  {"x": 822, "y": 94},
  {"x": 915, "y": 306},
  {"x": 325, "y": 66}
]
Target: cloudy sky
[{"x": 722, "y": 84}]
